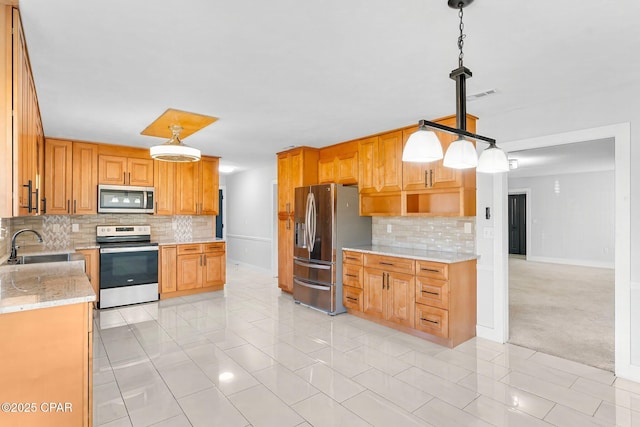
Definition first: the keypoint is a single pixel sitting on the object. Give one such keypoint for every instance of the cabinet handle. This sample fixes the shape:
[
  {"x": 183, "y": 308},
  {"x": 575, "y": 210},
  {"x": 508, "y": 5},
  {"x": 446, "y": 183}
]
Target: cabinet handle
[
  {"x": 37, "y": 200},
  {"x": 430, "y": 321},
  {"x": 29, "y": 206},
  {"x": 383, "y": 281},
  {"x": 387, "y": 281},
  {"x": 288, "y": 208},
  {"x": 352, "y": 299},
  {"x": 430, "y": 177},
  {"x": 351, "y": 258},
  {"x": 200, "y": 260},
  {"x": 288, "y": 223},
  {"x": 386, "y": 263},
  {"x": 426, "y": 178},
  {"x": 190, "y": 249},
  {"x": 75, "y": 206},
  {"x": 432, "y": 270},
  {"x": 68, "y": 205},
  {"x": 129, "y": 178},
  {"x": 156, "y": 209},
  {"x": 44, "y": 205},
  {"x": 204, "y": 257},
  {"x": 430, "y": 293},
  {"x": 350, "y": 275}
]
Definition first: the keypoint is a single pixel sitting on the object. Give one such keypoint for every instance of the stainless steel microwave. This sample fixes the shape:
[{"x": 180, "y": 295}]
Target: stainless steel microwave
[{"x": 125, "y": 199}]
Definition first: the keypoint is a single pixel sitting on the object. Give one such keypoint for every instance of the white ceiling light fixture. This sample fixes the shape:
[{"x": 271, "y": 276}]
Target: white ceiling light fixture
[
  {"x": 174, "y": 150},
  {"x": 226, "y": 168},
  {"x": 422, "y": 146},
  {"x": 461, "y": 154}
]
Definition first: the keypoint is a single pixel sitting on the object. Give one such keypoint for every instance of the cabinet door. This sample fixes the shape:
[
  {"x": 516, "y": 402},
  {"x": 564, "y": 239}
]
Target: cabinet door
[
  {"x": 374, "y": 292},
  {"x": 189, "y": 272},
  {"x": 347, "y": 168},
  {"x": 326, "y": 171},
  {"x": 168, "y": 269},
  {"x": 444, "y": 177},
  {"x": 112, "y": 170},
  {"x": 187, "y": 186},
  {"x": 164, "y": 182},
  {"x": 214, "y": 269},
  {"x": 92, "y": 268},
  {"x": 58, "y": 180},
  {"x": 401, "y": 299},
  {"x": 390, "y": 162},
  {"x": 209, "y": 186},
  {"x": 85, "y": 179},
  {"x": 285, "y": 193},
  {"x": 285, "y": 254},
  {"x": 140, "y": 172},
  {"x": 367, "y": 167},
  {"x": 415, "y": 176}
]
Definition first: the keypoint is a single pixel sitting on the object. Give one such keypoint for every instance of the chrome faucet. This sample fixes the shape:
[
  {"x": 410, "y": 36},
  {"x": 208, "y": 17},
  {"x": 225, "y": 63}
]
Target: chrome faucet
[{"x": 13, "y": 258}]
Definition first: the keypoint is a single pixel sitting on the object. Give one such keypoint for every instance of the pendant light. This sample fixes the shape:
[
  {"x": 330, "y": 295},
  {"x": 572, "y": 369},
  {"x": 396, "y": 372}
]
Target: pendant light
[
  {"x": 461, "y": 154},
  {"x": 174, "y": 150}
]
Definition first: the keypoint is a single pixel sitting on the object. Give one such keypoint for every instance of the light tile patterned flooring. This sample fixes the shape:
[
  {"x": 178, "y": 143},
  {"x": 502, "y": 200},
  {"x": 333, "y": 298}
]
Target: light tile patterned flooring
[{"x": 249, "y": 356}]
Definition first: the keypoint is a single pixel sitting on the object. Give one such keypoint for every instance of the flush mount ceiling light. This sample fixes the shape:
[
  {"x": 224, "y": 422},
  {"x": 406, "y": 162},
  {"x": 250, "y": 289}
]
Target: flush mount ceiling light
[
  {"x": 424, "y": 146},
  {"x": 175, "y": 123},
  {"x": 174, "y": 150}
]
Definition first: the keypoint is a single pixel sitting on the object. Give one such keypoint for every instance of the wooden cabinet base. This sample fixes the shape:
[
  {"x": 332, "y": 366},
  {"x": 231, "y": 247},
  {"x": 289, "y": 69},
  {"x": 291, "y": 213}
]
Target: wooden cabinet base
[
  {"x": 448, "y": 342},
  {"x": 191, "y": 292}
]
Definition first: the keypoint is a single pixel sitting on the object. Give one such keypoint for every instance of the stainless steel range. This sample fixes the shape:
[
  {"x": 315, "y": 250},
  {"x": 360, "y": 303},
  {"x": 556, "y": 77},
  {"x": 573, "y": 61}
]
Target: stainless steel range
[{"x": 128, "y": 265}]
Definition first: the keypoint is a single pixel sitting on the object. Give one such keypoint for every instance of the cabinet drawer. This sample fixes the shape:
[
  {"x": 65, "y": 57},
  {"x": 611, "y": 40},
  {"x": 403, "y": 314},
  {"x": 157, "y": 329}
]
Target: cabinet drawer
[
  {"x": 432, "y": 320},
  {"x": 352, "y": 298},
  {"x": 214, "y": 247},
  {"x": 354, "y": 258},
  {"x": 352, "y": 275},
  {"x": 195, "y": 248},
  {"x": 434, "y": 270},
  {"x": 389, "y": 263},
  {"x": 432, "y": 292}
]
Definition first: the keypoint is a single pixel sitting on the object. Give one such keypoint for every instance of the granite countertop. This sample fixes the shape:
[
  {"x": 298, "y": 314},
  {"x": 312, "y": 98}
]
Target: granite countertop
[
  {"x": 33, "y": 286},
  {"x": 419, "y": 254},
  {"x": 186, "y": 242}
]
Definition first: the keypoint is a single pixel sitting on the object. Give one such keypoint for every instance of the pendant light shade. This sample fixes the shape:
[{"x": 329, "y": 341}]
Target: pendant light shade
[
  {"x": 461, "y": 154},
  {"x": 174, "y": 150},
  {"x": 493, "y": 160},
  {"x": 422, "y": 146}
]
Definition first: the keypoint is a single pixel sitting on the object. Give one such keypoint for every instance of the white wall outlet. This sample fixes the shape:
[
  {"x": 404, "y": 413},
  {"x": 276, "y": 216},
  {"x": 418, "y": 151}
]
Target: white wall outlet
[
  {"x": 174, "y": 225},
  {"x": 487, "y": 232},
  {"x": 75, "y": 228},
  {"x": 467, "y": 227},
  {"x": 388, "y": 228}
]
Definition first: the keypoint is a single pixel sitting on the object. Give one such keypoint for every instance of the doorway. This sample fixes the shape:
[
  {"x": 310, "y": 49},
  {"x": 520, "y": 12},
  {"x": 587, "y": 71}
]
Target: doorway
[
  {"x": 517, "y": 224},
  {"x": 220, "y": 231}
]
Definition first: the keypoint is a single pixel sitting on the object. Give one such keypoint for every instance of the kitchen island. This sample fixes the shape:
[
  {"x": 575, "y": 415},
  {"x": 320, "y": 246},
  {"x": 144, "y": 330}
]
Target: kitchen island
[
  {"x": 46, "y": 334},
  {"x": 430, "y": 294}
]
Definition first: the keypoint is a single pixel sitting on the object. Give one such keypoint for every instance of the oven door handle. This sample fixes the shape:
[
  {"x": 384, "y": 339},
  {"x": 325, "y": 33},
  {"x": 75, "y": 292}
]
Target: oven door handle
[{"x": 128, "y": 249}]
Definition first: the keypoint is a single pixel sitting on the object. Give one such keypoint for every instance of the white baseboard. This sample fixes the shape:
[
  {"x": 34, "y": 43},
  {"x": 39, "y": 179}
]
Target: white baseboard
[
  {"x": 233, "y": 262},
  {"x": 568, "y": 261},
  {"x": 489, "y": 333}
]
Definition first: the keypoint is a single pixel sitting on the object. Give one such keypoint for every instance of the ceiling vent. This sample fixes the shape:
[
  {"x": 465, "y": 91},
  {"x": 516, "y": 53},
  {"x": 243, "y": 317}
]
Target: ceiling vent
[{"x": 479, "y": 95}]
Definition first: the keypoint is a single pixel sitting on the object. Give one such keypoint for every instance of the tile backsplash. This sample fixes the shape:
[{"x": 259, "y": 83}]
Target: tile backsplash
[
  {"x": 57, "y": 234},
  {"x": 433, "y": 233}
]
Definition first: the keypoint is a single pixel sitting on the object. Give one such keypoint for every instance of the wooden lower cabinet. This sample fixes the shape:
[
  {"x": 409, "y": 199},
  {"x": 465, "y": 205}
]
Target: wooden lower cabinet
[
  {"x": 92, "y": 268},
  {"x": 285, "y": 254},
  {"x": 47, "y": 359},
  {"x": 192, "y": 268},
  {"x": 432, "y": 300}
]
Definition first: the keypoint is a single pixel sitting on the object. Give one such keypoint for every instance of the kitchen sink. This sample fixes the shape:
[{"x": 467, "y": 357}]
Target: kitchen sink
[{"x": 36, "y": 259}]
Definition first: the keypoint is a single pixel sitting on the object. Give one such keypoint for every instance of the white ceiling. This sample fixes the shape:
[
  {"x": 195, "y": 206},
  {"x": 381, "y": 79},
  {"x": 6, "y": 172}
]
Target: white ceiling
[{"x": 288, "y": 72}]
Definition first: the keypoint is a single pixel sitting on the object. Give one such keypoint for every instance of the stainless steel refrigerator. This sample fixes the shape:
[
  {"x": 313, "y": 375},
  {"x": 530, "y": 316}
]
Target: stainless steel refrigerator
[{"x": 326, "y": 220}]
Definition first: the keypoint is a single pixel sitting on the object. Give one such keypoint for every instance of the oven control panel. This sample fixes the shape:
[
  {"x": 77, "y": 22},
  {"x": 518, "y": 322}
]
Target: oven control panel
[{"x": 122, "y": 230}]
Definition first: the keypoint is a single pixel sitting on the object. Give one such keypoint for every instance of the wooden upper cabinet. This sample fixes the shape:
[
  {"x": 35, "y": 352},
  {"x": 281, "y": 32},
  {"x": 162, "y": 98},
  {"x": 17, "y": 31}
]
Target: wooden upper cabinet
[
  {"x": 117, "y": 170},
  {"x": 85, "y": 179},
  {"x": 209, "y": 184},
  {"x": 58, "y": 155},
  {"x": 338, "y": 164},
  {"x": 296, "y": 168},
  {"x": 187, "y": 188},
  {"x": 367, "y": 165},
  {"x": 164, "y": 180},
  {"x": 390, "y": 162}
]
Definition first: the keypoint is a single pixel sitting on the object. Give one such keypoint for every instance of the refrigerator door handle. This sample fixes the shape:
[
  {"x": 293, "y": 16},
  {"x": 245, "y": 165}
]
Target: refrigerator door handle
[
  {"x": 308, "y": 285},
  {"x": 312, "y": 231},
  {"x": 316, "y": 266},
  {"x": 310, "y": 222}
]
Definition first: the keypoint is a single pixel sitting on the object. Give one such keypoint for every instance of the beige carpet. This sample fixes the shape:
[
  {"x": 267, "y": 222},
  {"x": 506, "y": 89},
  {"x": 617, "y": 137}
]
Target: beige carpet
[{"x": 563, "y": 310}]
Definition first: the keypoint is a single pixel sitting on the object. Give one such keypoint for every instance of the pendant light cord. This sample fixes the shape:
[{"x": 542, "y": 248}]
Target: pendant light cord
[{"x": 461, "y": 36}]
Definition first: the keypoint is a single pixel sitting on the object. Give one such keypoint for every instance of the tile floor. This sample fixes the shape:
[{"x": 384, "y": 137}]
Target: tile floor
[{"x": 249, "y": 356}]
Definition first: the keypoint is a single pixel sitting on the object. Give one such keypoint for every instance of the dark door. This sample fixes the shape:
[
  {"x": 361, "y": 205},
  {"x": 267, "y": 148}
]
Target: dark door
[
  {"x": 219, "y": 224},
  {"x": 517, "y": 224}
]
